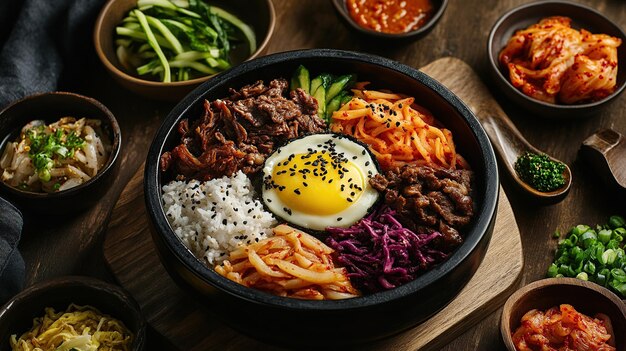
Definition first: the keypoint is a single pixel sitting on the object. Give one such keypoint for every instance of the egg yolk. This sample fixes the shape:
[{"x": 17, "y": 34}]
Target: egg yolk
[{"x": 317, "y": 183}]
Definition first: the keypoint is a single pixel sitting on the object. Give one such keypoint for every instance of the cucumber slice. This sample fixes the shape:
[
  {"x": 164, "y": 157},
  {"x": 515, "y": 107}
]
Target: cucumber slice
[
  {"x": 323, "y": 79},
  {"x": 316, "y": 83},
  {"x": 304, "y": 82},
  {"x": 320, "y": 96},
  {"x": 341, "y": 83},
  {"x": 334, "y": 105}
]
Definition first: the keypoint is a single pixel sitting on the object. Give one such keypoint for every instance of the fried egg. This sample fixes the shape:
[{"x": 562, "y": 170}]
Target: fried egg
[{"x": 320, "y": 181}]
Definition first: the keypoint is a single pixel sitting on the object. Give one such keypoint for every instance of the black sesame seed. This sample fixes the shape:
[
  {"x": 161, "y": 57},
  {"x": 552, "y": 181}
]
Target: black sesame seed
[{"x": 224, "y": 221}]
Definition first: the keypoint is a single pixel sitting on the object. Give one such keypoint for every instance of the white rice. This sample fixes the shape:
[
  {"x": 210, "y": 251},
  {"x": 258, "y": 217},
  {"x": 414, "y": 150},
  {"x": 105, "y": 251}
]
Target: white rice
[{"x": 215, "y": 217}]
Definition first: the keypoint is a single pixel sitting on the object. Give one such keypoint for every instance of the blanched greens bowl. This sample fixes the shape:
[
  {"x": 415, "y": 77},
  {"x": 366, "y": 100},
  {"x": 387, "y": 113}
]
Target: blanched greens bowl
[{"x": 163, "y": 49}]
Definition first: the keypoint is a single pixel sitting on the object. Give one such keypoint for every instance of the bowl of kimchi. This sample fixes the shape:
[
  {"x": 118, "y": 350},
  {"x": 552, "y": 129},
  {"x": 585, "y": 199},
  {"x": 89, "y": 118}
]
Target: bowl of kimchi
[
  {"x": 558, "y": 59},
  {"x": 554, "y": 312}
]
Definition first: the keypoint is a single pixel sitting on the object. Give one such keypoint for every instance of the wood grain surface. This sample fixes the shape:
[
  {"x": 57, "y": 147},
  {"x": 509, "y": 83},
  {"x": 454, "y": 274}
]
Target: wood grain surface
[
  {"x": 132, "y": 256},
  {"x": 73, "y": 245}
]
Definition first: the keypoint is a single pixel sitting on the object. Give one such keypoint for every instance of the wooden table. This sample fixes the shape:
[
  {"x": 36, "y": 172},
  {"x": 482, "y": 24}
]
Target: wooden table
[{"x": 73, "y": 245}]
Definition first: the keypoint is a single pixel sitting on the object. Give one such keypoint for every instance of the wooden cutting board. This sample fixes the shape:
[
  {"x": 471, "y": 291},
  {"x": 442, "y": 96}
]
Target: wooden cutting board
[{"x": 131, "y": 255}]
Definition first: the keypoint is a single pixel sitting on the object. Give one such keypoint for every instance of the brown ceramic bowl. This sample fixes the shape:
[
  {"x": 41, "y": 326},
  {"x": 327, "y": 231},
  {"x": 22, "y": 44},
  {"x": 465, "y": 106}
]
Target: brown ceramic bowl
[
  {"x": 16, "y": 316},
  {"x": 259, "y": 14},
  {"x": 439, "y": 6},
  {"x": 522, "y": 17},
  {"x": 586, "y": 297},
  {"x": 50, "y": 107}
]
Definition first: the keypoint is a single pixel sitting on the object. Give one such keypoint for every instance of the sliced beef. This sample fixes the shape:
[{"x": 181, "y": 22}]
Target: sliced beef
[
  {"x": 239, "y": 132},
  {"x": 429, "y": 199}
]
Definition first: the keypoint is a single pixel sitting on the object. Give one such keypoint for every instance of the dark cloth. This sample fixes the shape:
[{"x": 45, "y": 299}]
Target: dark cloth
[
  {"x": 11, "y": 262},
  {"x": 44, "y": 43}
]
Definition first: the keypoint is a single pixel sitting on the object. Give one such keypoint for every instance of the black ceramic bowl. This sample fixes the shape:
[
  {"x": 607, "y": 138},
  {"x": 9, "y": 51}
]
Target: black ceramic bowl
[
  {"x": 439, "y": 6},
  {"x": 50, "y": 107},
  {"x": 285, "y": 320},
  {"x": 16, "y": 316},
  {"x": 521, "y": 17}
]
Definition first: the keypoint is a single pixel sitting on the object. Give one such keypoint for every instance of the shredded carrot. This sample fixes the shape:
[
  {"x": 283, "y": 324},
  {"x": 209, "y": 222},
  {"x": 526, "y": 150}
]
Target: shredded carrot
[{"x": 397, "y": 130}]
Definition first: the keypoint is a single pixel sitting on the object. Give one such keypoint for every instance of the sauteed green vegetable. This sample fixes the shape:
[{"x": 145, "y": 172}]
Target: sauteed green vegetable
[{"x": 177, "y": 40}]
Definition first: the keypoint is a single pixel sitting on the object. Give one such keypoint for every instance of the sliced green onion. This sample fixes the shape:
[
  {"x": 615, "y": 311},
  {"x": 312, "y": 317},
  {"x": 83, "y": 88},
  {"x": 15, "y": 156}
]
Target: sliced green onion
[
  {"x": 553, "y": 270},
  {"x": 605, "y": 235},
  {"x": 616, "y": 222}
]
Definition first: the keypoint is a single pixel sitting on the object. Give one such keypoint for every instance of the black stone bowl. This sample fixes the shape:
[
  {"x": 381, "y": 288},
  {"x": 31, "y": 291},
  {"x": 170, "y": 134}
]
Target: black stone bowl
[
  {"x": 16, "y": 316},
  {"x": 298, "y": 322},
  {"x": 522, "y": 17},
  {"x": 50, "y": 107},
  {"x": 439, "y": 6}
]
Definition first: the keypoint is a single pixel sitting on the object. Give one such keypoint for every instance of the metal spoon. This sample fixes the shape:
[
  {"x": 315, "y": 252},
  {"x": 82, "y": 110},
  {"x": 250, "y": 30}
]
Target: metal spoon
[{"x": 510, "y": 144}]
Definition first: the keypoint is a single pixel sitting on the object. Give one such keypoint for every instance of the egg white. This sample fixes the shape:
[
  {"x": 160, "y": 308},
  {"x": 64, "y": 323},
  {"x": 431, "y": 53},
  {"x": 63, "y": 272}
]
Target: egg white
[{"x": 352, "y": 214}]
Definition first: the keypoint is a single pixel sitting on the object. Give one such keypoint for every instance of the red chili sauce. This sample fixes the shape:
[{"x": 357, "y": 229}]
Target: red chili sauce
[{"x": 390, "y": 16}]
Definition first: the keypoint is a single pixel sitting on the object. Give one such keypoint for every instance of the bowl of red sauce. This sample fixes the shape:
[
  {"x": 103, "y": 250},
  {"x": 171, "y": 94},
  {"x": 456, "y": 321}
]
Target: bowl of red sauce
[{"x": 391, "y": 19}]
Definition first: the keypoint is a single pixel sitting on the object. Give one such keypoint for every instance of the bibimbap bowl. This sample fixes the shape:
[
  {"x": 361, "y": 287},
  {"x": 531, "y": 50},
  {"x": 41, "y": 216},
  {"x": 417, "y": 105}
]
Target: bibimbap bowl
[{"x": 291, "y": 321}]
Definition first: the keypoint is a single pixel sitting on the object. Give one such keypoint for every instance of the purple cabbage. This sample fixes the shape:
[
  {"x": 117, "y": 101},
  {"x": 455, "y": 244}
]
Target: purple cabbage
[{"x": 380, "y": 254}]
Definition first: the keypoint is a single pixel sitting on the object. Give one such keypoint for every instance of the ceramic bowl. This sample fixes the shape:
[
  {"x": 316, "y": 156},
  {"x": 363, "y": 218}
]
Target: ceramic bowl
[
  {"x": 586, "y": 297},
  {"x": 522, "y": 17},
  {"x": 439, "y": 6},
  {"x": 16, "y": 316},
  {"x": 299, "y": 322},
  {"x": 50, "y": 107},
  {"x": 259, "y": 14}
]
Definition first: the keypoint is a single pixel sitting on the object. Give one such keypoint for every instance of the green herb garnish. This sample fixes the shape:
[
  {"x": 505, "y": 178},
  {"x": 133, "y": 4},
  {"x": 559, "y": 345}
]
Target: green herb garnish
[
  {"x": 45, "y": 147},
  {"x": 540, "y": 172},
  {"x": 596, "y": 255}
]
